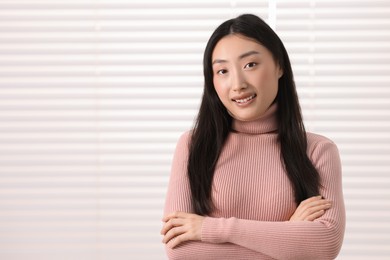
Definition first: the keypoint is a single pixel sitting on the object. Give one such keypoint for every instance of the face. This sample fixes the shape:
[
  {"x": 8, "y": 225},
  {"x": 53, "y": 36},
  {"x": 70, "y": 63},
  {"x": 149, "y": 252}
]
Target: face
[{"x": 245, "y": 76}]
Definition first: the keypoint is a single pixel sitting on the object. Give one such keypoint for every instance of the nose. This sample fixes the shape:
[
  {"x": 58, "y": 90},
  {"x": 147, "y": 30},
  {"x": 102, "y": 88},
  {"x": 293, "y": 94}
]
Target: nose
[{"x": 238, "y": 81}]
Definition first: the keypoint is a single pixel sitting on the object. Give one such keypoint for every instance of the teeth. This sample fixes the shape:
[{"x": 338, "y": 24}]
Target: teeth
[{"x": 245, "y": 99}]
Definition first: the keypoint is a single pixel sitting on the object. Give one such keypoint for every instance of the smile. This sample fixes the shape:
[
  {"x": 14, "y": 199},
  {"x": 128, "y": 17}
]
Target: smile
[{"x": 244, "y": 100}]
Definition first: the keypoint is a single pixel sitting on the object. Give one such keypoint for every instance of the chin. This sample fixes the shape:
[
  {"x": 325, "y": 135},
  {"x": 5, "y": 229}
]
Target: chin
[{"x": 245, "y": 117}]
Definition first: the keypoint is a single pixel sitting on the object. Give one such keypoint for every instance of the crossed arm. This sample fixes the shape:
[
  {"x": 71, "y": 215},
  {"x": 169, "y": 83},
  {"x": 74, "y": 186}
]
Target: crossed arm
[
  {"x": 314, "y": 231},
  {"x": 182, "y": 226}
]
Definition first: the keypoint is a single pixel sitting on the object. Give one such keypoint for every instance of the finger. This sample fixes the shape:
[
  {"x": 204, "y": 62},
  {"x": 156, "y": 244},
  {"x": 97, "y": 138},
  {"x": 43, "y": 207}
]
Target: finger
[
  {"x": 315, "y": 209},
  {"x": 312, "y": 203},
  {"x": 306, "y": 204},
  {"x": 171, "y": 224},
  {"x": 169, "y": 216},
  {"x": 311, "y": 210},
  {"x": 317, "y": 202},
  {"x": 304, "y": 210},
  {"x": 178, "y": 240},
  {"x": 172, "y": 233},
  {"x": 310, "y": 200},
  {"x": 315, "y": 215},
  {"x": 317, "y": 205},
  {"x": 175, "y": 214}
]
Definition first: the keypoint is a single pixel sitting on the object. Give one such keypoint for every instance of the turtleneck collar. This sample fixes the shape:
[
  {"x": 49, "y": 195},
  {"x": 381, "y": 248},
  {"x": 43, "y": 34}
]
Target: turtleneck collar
[{"x": 265, "y": 124}]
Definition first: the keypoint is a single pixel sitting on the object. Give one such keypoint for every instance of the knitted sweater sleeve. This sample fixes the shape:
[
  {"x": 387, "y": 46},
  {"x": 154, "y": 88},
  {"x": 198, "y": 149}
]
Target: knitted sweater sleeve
[
  {"x": 178, "y": 197},
  {"x": 319, "y": 239}
]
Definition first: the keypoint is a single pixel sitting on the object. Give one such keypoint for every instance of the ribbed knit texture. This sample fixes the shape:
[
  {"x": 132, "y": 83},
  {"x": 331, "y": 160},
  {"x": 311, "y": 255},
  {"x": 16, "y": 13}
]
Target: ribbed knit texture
[{"x": 254, "y": 199}]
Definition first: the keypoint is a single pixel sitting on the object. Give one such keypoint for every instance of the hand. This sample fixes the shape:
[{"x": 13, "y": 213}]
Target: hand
[
  {"x": 180, "y": 227},
  {"x": 311, "y": 209}
]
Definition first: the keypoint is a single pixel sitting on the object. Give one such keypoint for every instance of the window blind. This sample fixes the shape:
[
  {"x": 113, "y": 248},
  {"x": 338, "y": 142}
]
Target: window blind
[
  {"x": 340, "y": 54},
  {"x": 94, "y": 95}
]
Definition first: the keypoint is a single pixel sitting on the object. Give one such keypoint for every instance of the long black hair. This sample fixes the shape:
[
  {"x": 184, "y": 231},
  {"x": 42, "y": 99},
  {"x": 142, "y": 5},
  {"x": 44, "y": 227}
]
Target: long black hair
[{"x": 213, "y": 122}]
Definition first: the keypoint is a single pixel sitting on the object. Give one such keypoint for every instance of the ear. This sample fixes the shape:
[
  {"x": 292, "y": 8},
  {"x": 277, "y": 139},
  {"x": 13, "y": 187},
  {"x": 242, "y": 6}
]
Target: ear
[{"x": 280, "y": 72}]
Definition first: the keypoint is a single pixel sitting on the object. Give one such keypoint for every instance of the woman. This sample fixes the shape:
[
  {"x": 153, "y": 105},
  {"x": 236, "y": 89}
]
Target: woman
[{"x": 248, "y": 182}]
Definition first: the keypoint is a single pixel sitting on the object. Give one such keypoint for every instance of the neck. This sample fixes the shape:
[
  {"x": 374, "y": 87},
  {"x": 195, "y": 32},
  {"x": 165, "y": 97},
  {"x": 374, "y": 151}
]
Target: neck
[{"x": 265, "y": 124}]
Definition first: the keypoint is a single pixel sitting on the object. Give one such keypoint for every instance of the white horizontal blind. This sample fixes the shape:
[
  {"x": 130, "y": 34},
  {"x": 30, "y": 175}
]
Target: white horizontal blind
[
  {"x": 94, "y": 95},
  {"x": 340, "y": 52}
]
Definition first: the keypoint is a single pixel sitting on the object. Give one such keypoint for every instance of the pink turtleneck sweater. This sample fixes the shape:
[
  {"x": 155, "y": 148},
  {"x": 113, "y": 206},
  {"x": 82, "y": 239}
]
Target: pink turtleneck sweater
[{"x": 254, "y": 199}]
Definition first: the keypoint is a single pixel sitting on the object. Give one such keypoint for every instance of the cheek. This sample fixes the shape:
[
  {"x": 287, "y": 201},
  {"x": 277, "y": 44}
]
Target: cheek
[
  {"x": 268, "y": 81},
  {"x": 272, "y": 87},
  {"x": 220, "y": 89}
]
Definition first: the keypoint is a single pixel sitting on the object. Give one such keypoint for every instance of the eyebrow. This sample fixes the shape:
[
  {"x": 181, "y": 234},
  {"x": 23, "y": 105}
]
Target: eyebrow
[{"x": 244, "y": 55}]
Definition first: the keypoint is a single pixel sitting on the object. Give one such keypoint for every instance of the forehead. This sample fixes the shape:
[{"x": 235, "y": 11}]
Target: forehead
[{"x": 233, "y": 45}]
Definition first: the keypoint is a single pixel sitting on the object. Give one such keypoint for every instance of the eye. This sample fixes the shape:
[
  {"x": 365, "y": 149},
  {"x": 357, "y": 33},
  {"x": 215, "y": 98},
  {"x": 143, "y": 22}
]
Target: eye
[
  {"x": 250, "y": 65},
  {"x": 222, "y": 72}
]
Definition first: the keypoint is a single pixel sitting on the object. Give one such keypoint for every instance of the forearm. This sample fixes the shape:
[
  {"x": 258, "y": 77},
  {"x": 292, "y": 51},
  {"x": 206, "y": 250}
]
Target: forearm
[
  {"x": 195, "y": 250},
  {"x": 280, "y": 240}
]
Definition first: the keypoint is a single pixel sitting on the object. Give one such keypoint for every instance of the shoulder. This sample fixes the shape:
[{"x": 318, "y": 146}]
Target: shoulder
[
  {"x": 319, "y": 146},
  {"x": 184, "y": 139},
  {"x": 325, "y": 157},
  {"x": 182, "y": 145},
  {"x": 316, "y": 139}
]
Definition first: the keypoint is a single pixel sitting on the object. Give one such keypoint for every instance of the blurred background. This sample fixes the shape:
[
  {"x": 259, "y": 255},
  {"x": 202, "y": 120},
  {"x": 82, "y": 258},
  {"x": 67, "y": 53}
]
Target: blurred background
[{"x": 94, "y": 95}]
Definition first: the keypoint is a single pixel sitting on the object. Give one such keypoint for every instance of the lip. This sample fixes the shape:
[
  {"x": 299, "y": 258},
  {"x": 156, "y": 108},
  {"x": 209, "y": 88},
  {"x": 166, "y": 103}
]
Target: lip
[
  {"x": 244, "y": 103},
  {"x": 243, "y": 96}
]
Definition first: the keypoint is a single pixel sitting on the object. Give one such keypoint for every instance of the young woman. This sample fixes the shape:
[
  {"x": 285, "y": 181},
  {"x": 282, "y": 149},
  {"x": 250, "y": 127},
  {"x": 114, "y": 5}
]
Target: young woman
[{"x": 248, "y": 182}]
